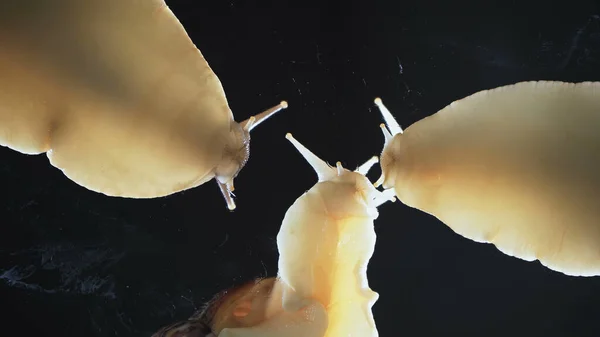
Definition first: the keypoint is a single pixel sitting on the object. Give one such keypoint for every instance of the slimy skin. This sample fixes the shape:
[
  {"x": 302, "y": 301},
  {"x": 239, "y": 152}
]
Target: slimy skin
[
  {"x": 325, "y": 243},
  {"x": 118, "y": 97},
  {"x": 516, "y": 166}
]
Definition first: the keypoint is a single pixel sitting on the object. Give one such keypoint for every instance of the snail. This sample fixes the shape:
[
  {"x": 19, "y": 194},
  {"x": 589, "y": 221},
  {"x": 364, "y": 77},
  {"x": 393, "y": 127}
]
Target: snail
[
  {"x": 325, "y": 243},
  {"x": 118, "y": 97},
  {"x": 516, "y": 166}
]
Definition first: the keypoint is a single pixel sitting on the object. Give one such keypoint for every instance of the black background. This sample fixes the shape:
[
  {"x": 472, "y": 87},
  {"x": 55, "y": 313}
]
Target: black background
[{"x": 76, "y": 263}]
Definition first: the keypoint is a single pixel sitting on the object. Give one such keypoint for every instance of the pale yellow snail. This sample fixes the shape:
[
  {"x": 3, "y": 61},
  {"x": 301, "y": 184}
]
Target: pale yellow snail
[
  {"x": 517, "y": 166},
  {"x": 118, "y": 96},
  {"x": 325, "y": 243}
]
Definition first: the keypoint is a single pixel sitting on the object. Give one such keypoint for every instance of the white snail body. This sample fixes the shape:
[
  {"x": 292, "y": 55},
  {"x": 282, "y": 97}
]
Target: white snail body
[
  {"x": 516, "y": 166},
  {"x": 118, "y": 96}
]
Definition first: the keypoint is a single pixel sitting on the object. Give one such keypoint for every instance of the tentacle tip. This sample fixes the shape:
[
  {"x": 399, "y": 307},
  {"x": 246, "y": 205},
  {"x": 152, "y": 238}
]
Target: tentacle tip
[
  {"x": 391, "y": 123},
  {"x": 227, "y": 194},
  {"x": 378, "y": 101},
  {"x": 379, "y": 181},
  {"x": 324, "y": 171},
  {"x": 339, "y": 167},
  {"x": 256, "y": 120},
  {"x": 366, "y": 166},
  {"x": 231, "y": 206}
]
